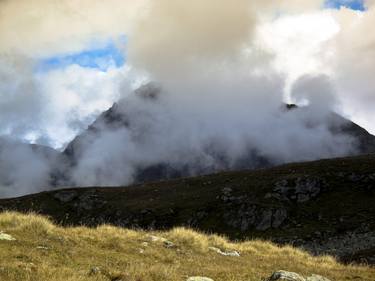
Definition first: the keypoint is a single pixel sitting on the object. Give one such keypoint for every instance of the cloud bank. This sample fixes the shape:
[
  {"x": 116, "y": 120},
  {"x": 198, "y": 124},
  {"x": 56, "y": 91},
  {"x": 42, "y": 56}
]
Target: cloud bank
[{"x": 223, "y": 74}]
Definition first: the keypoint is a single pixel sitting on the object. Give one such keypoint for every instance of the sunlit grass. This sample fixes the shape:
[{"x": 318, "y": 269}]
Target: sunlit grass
[{"x": 43, "y": 251}]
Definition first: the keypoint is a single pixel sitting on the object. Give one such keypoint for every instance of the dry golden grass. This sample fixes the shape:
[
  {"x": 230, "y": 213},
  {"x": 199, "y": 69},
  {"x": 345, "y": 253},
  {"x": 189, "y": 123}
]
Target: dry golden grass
[{"x": 43, "y": 251}]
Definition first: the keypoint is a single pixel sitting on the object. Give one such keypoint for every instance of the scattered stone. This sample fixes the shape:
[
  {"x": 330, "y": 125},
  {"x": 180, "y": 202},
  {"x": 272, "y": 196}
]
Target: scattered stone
[
  {"x": 6, "y": 237},
  {"x": 198, "y": 278},
  {"x": 145, "y": 244},
  {"x": 95, "y": 270},
  {"x": 146, "y": 212},
  {"x": 154, "y": 238},
  {"x": 166, "y": 242},
  {"x": 315, "y": 277},
  {"x": 65, "y": 196},
  {"x": 227, "y": 190},
  {"x": 286, "y": 276},
  {"x": 227, "y": 194},
  {"x": 229, "y": 254},
  {"x": 345, "y": 246},
  {"x": 356, "y": 178}
]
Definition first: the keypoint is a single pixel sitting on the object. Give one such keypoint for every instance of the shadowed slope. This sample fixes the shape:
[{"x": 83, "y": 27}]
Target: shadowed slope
[{"x": 316, "y": 205}]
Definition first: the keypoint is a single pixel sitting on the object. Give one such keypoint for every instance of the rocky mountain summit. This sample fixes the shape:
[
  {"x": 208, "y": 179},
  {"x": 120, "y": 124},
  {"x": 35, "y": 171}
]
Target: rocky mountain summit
[
  {"x": 135, "y": 141},
  {"x": 325, "y": 207},
  {"x": 121, "y": 116}
]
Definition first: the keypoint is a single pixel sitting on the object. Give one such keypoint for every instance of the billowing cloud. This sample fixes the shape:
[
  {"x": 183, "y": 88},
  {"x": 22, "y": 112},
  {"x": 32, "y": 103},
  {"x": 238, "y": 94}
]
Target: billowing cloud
[
  {"x": 42, "y": 27},
  {"x": 299, "y": 43},
  {"x": 172, "y": 35},
  {"x": 219, "y": 101},
  {"x": 21, "y": 101},
  {"x": 337, "y": 43},
  {"x": 355, "y": 64},
  {"x": 224, "y": 72}
]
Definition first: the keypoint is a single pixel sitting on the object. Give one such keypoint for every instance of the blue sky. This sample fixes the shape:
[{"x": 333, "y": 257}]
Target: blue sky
[
  {"x": 98, "y": 56},
  {"x": 358, "y": 5}
]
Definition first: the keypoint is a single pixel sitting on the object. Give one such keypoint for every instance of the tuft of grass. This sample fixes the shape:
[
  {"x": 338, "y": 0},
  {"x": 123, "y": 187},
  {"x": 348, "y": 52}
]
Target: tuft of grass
[{"x": 43, "y": 251}]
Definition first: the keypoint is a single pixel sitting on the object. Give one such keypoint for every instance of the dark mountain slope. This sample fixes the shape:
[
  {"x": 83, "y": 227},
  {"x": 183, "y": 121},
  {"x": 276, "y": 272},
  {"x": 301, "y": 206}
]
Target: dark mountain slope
[
  {"x": 364, "y": 141},
  {"x": 318, "y": 205},
  {"x": 119, "y": 117}
]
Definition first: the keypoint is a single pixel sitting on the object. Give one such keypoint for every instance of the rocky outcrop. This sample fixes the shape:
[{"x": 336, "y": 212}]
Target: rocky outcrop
[
  {"x": 249, "y": 216},
  {"x": 243, "y": 215},
  {"x": 351, "y": 246},
  {"x": 300, "y": 189}
]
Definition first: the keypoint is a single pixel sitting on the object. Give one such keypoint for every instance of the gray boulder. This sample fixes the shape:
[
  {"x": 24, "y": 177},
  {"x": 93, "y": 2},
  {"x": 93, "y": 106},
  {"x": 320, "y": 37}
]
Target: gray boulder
[
  {"x": 292, "y": 276},
  {"x": 285, "y": 275}
]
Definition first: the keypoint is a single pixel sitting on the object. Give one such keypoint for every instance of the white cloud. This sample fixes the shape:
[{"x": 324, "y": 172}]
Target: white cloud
[
  {"x": 75, "y": 96},
  {"x": 339, "y": 43},
  {"x": 354, "y": 64},
  {"x": 52, "y": 107},
  {"x": 299, "y": 42}
]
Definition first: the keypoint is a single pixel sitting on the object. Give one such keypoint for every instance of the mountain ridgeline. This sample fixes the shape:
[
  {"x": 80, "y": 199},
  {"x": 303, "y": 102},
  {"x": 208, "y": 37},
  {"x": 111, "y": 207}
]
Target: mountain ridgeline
[
  {"x": 120, "y": 116},
  {"x": 145, "y": 137}
]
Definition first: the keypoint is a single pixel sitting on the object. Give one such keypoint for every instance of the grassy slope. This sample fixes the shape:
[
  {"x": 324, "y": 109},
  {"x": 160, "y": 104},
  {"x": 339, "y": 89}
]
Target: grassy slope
[
  {"x": 173, "y": 203},
  {"x": 44, "y": 251}
]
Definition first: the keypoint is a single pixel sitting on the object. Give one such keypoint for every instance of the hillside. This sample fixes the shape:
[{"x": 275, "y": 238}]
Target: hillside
[
  {"x": 32, "y": 248},
  {"x": 122, "y": 115},
  {"x": 319, "y": 206}
]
